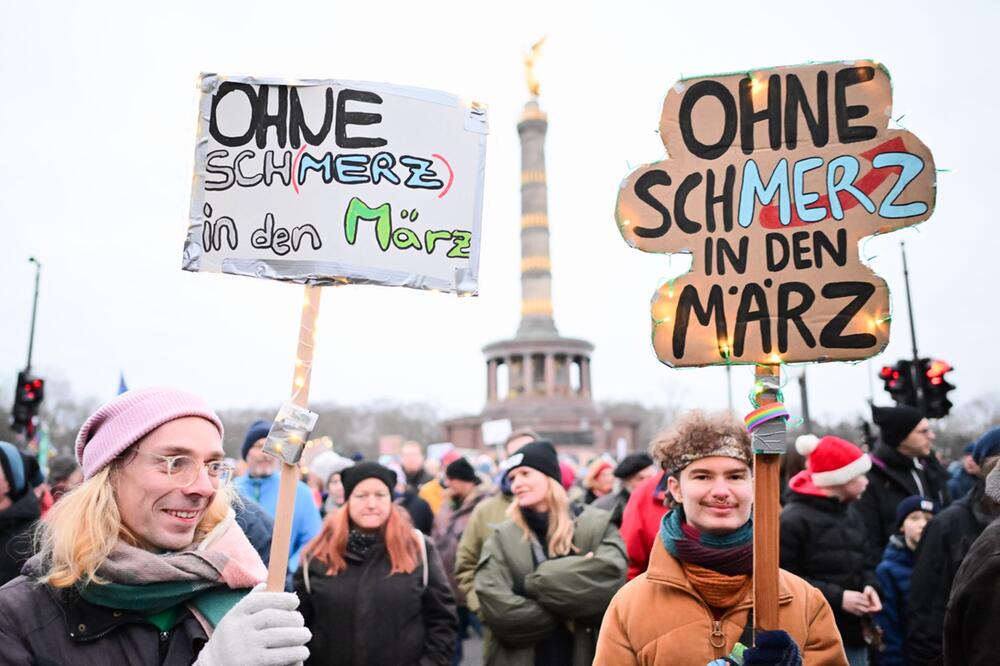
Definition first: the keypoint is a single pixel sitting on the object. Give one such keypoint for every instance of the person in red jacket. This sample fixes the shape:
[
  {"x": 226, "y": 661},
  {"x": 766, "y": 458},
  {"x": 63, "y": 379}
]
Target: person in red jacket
[{"x": 641, "y": 520}]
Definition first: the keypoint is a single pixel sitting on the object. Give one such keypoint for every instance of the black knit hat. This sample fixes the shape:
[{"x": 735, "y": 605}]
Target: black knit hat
[
  {"x": 896, "y": 422},
  {"x": 461, "y": 470},
  {"x": 632, "y": 464},
  {"x": 540, "y": 455},
  {"x": 366, "y": 469},
  {"x": 259, "y": 429},
  {"x": 911, "y": 504}
]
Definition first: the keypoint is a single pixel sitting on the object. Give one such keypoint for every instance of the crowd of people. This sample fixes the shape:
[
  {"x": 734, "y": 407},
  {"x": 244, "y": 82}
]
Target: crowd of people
[{"x": 149, "y": 546}]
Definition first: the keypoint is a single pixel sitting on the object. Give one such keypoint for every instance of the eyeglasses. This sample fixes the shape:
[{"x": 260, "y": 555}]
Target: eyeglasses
[{"x": 184, "y": 470}]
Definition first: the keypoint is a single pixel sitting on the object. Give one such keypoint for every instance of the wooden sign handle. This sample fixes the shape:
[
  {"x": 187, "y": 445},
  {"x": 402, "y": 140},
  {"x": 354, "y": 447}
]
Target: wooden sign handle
[
  {"x": 766, "y": 522},
  {"x": 281, "y": 537}
]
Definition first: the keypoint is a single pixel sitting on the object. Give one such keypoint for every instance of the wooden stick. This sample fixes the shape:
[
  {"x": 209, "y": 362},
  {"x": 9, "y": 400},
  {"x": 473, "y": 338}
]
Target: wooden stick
[
  {"x": 766, "y": 523},
  {"x": 282, "y": 535}
]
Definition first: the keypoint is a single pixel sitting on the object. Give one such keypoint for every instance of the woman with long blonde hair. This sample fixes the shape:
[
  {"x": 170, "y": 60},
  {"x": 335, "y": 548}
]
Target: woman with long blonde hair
[
  {"x": 372, "y": 589},
  {"x": 548, "y": 573},
  {"x": 144, "y": 563}
]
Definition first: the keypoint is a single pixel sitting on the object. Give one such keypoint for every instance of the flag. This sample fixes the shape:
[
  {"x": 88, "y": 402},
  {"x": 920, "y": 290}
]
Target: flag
[
  {"x": 122, "y": 386},
  {"x": 44, "y": 447}
]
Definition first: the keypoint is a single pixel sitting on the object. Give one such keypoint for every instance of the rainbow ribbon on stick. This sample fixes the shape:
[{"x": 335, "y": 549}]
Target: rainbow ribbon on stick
[{"x": 769, "y": 412}]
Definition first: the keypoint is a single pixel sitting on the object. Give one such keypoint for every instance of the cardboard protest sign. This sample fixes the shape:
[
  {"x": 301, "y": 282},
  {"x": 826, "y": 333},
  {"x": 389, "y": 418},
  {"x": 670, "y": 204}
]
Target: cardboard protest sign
[
  {"x": 324, "y": 181},
  {"x": 772, "y": 179}
]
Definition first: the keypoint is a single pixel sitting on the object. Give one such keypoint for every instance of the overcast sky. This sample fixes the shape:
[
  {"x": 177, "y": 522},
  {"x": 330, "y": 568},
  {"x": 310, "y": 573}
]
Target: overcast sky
[{"x": 98, "y": 122}]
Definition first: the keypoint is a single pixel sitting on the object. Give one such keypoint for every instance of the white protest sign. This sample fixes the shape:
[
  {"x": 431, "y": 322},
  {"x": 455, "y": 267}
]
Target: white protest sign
[
  {"x": 496, "y": 431},
  {"x": 324, "y": 182}
]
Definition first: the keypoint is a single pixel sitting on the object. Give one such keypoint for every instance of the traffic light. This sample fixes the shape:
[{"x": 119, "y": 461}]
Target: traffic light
[
  {"x": 924, "y": 386},
  {"x": 936, "y": 387},
  {"x": 28, "y": 397},
  {"x": 899, "y": 382}
]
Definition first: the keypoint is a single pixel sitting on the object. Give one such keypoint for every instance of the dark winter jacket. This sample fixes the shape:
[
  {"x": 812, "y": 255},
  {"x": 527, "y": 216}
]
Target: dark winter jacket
[
  {"x": 565, "y": 594},
  {"x": 972, "y": 623},
  {"x": 42, "y": 626},
  {"x": 893, "y": 478},
  {"x": 449, "y": 525},
  {"x": 365, "y": 617},
  {"x": 615, "y": 504},
  {"x": 419, "y": 510},
  {"x": 824, "y": 543},
  {"x": 943, "y": 546},
  {"x": 16, "y": 522},
  {"x": 417, "y": 479},
  {"x": 894, "y": 573},
  {"x": 960, "y": 484}
]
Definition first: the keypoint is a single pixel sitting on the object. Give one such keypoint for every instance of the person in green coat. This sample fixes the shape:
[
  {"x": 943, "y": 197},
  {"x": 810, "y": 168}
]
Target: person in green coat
[
  {"x": 548, "y": 573},
  {"x": 485, "y": 517}
]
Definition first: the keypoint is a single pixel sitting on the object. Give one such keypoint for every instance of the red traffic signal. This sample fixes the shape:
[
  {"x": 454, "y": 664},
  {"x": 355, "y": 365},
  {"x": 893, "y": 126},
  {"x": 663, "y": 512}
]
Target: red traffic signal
[
  {"x": 936, "y": 371},
  {"x": 27, "y": 400},
  {"x": 936, "y": 386},
  {"x": 898, "y": 382}
]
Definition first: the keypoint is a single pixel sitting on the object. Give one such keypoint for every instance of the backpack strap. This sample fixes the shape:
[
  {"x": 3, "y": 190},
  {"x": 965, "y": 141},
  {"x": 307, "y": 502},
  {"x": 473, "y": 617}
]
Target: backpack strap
[{"x": 423, "y": 555}]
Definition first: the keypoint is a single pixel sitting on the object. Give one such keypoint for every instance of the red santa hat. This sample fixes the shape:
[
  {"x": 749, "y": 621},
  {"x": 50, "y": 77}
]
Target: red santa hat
[{"x": 832, "y": 461}]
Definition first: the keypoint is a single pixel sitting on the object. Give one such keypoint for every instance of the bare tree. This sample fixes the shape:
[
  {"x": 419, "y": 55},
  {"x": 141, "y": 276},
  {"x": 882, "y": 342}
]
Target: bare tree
[{"x": 352, "y": 429}]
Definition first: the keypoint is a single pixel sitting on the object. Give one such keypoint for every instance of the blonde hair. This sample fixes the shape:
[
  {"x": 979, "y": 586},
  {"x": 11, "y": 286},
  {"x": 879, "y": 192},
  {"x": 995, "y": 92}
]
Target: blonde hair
[
  {"x": 82, "y": 528},
  {"x": 560, "y": 534}
]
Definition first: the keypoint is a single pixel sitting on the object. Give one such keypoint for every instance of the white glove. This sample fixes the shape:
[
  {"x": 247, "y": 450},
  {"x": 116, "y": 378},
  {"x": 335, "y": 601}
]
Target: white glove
[{"x": 263, "y": 629}]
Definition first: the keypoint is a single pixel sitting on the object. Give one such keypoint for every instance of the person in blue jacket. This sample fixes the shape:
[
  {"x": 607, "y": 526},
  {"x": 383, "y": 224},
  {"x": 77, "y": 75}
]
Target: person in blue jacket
[
  {"x": 260, "y": 484},
  {"x": 965, "y": 476},
  {"x": 894, "y": 573}
]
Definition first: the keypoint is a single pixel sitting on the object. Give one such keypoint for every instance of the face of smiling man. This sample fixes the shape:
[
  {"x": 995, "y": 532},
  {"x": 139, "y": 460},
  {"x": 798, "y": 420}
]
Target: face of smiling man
[
  {"x": 161, "y": 515},
  {"x": 716, "y": 492}
]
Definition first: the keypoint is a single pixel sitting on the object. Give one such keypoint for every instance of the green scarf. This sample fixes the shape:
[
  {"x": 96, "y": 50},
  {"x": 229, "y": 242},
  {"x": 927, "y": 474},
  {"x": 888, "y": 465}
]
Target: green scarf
[
  {"x": 209, "y": 599},
  {"x": 208, "y": 577}
]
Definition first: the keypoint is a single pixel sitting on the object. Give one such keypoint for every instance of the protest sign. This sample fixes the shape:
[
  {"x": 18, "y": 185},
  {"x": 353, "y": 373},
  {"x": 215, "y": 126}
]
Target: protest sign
[
  {"x": 772, "y": 179},
  {"x": 325, "y": 182}
]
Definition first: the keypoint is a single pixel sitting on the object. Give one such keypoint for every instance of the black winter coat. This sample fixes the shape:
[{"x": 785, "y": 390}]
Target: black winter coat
[
  {"x": 893, "y": 478},
  {"x": 824, "y": 543},
  {"x": 365, "y": 617},
  {"x": 972, "y": 623},
  {"x": 943, "y": 546},
  {"x": 16, "y": 522},
  {"x": 42, "y": 626},
  {"x": 419, "y": 510}
]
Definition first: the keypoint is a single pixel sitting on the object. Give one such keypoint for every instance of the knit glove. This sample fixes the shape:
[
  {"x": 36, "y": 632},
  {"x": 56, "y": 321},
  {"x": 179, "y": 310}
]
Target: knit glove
[
  {"x": 263, "y": 629},
  {"x": 773, "y": 648}
]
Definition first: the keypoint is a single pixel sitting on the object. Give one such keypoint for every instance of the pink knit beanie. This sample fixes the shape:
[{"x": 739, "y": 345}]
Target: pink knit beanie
[{"x": 128, "y": 418}]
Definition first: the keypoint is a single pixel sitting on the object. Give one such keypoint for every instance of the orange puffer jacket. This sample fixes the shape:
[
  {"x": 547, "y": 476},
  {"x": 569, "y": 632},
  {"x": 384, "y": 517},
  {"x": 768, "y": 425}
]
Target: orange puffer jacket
[{"x": 658, "y": 618}]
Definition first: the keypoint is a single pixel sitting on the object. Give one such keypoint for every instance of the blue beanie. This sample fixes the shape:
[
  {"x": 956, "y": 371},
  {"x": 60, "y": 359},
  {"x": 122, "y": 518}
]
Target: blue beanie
[
  {"x": 911, "y": 504},
  {"x": 258, "y": 430},
  {"x": 13, "y": 469},
  {"x": 987, "y": 446}
]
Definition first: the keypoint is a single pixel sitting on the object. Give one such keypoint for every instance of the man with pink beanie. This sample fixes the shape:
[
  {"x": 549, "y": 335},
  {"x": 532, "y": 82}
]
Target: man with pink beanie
[
  {"x": 824, "y": 543},
  {"x": 143, "y": 563}
]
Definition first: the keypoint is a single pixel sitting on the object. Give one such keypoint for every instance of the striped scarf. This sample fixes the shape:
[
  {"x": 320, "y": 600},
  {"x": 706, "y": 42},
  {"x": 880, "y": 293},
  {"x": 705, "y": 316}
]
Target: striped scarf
[
  {"x": 728, "y": 554},
  {"x": 208, "y": 577}
]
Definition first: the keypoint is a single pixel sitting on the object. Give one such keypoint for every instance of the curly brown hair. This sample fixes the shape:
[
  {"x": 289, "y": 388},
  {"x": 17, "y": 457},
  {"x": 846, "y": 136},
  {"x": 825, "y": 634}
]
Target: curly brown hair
[{"x": 698, "y": 435}]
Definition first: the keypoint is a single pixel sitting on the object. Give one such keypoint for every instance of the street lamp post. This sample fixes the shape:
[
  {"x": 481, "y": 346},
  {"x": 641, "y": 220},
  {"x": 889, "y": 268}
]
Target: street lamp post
[{"x": 34, "y": 312}]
